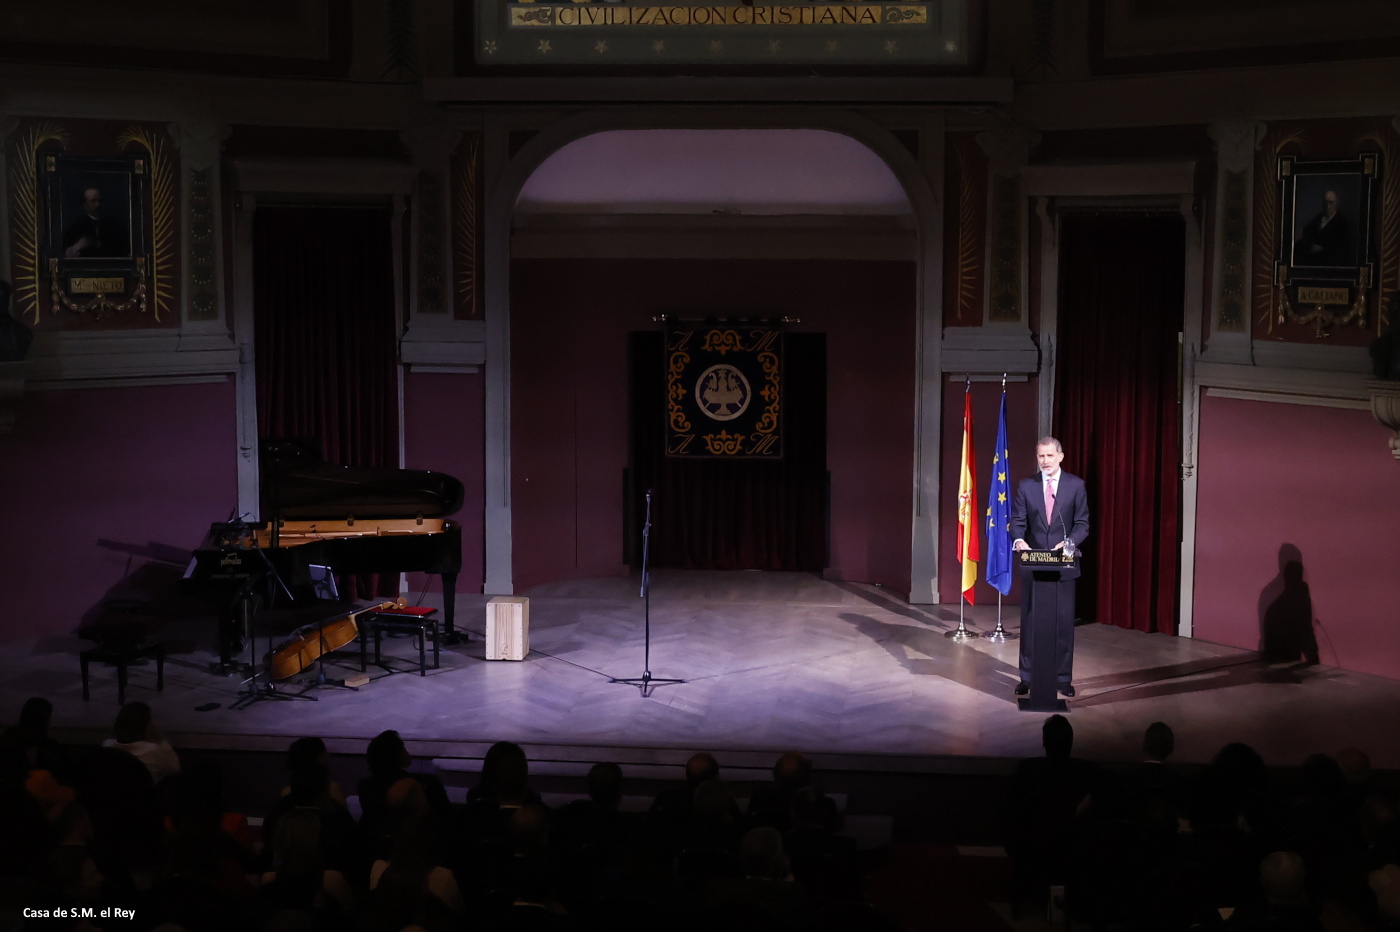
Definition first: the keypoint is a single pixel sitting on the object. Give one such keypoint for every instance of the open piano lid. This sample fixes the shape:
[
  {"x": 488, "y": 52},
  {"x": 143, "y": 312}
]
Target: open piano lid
[{"x": 299, "y": 485}]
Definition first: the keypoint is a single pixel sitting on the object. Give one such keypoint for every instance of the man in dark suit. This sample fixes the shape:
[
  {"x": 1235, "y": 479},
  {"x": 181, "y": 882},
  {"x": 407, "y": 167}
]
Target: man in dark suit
[
  {"x": 92, "y": 234},
  {"x": 1327, "y": 239},
  {"x": 1051, "y": 507}
]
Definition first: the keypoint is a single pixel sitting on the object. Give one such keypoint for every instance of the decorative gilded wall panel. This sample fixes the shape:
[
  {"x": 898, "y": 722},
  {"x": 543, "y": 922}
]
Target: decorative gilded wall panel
[
  {"x": 94, "y": 224},
  {"x": 1234, "y": 230},
  {"x": 467, "y": 201},
  {"x": 1321, "y": 140},
  {"x": 965, "y": 232}
]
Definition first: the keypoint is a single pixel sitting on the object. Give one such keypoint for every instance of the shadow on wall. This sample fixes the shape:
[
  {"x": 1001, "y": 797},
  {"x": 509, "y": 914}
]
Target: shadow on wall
[{"x": 1286, "y": 632}]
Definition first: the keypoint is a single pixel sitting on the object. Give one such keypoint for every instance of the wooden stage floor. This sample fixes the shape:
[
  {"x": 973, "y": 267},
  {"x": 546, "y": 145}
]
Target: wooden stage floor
[{"x": 770, "y": 661}]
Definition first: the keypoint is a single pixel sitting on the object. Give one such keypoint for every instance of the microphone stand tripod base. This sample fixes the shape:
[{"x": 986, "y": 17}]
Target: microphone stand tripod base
[
  {"x": 646, "y": 682},
  {"x": 266, "y": 691}
]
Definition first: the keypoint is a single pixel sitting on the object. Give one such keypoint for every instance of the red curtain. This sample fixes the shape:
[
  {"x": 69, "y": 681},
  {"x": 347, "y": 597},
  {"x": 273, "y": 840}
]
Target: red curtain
[
  {"x": 323, "y": 317},
  {"x": 1117, "y": 408}
]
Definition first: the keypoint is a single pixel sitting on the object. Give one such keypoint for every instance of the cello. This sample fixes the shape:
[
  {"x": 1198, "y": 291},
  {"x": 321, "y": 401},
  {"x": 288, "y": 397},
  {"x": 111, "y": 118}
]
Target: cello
[{"x": 304, "y": 647}]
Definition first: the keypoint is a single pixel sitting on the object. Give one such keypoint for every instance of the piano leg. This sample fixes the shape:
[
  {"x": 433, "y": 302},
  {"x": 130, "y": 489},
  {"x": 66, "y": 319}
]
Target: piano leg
[
  {"x": 449, "y": 605},
  {"x": 235, "y": 625}
]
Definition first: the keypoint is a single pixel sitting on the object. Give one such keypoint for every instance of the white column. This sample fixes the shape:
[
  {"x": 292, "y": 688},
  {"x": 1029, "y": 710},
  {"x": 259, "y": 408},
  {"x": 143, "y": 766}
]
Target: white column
[
  {"x": 928, "y": 371},
  {"x": 1192, "y": 323},
  {"x": 496, "y": 297},
  {"x": 245, "y": 378}
]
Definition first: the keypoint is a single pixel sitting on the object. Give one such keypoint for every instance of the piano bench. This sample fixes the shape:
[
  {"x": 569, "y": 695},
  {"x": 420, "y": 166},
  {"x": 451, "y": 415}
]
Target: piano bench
[
  {"x": 122, "y": 655},
  {"x": 419, "y": 625}
]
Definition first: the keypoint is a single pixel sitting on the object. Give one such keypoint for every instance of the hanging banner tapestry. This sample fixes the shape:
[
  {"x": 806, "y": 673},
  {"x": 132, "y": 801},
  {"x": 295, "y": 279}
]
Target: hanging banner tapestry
[{"x": 724, "y": 390}]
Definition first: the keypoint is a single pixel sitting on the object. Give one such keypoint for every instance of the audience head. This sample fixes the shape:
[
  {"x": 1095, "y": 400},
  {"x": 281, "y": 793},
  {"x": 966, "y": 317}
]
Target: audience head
[
  {"x": 1385, "y": 884},
  {"x": 1356, "y": 766},
  {"x": 1240, "y": 766},
  {"x": 506, "y": 771},
  {"x": 1322, "y": 777},
  {"x": 35, "y": 716},
  {"x": 1378, "y": 821},
  {"x": 305, "y": 751},
  {"x": 386, "y": 753},
  {"x": 605, "y": 785},
  {"x": 792, "y": 771},
  {"x": 1158, "y": 741},
  {"x": 133, "y": 723},
  {"x": 1057, "y": 736},
  {"x": 702, "y": 766},
  {"x": 1281, "y": 878},
  {"x": 406, "y": 799}
]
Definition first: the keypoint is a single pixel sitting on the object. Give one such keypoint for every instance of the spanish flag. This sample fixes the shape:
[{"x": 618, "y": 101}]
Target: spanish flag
[{"x": 969, "y": 550}]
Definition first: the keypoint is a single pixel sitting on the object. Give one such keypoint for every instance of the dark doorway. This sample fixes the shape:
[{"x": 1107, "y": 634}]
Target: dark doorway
[
  {"x": 1117, "y": 408},
  {"x": 732, "y": 514}
]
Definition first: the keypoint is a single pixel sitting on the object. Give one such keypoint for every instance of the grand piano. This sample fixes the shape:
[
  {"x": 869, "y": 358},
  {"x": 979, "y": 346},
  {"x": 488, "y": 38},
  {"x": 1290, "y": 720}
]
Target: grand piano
[{"x": 355, "y": 520}]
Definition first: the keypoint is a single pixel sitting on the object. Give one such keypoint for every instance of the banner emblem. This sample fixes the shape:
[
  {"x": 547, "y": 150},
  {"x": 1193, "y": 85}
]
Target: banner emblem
[{"x": 722, "y": 392}]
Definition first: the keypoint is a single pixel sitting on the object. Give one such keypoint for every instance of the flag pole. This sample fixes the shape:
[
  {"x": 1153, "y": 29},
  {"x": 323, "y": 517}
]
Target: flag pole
[
  {"x": 998, "y": 529},
  {"x": 999, "y": 634},
  {"x": 968, "y": 525}
]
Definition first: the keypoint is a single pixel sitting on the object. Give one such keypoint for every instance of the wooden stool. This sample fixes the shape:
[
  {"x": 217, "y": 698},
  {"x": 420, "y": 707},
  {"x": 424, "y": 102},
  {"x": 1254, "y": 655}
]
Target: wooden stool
[
  {"x": 401, "y": 623},
  {"x": 123, "y": 654}
]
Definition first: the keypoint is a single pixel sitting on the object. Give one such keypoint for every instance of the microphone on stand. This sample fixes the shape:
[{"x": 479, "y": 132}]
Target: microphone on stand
[
  {"x": 646, "y": 550},
  {"x": 1069, "y": 544}
]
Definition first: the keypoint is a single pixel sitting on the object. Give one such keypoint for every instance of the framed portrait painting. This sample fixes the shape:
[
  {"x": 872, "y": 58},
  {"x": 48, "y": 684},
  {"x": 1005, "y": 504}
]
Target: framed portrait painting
[
  {"x": 1325, "y": 258},
  {"x": 96, "y": 223}
]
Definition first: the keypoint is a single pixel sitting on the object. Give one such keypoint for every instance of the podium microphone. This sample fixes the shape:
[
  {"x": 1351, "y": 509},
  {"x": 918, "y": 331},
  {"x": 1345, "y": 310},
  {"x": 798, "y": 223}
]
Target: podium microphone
[{"x": 1069, "y": 544}]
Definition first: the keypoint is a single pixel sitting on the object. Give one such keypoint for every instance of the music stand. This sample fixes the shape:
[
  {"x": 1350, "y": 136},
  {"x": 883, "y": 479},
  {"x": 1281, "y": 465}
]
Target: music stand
[
  {"x": 646, "y": 682},
  {"x": 323, "y": 586},
  {"x": 268, "y": 690}
]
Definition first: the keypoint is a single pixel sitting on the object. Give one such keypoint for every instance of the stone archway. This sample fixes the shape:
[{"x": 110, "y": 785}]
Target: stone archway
[{"x": 512, "y": 198}]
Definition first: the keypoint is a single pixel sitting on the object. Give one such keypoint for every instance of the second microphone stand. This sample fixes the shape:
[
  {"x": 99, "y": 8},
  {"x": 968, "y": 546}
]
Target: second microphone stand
[
  {"x": 259, "y": 692},
  {"x": 646, "y": 682}
]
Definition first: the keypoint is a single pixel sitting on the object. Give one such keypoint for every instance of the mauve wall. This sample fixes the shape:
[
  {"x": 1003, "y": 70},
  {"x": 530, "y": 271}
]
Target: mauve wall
[
  {"x": 89, "y": 474},
  {"x": 570, "y": 405},
  {"x": 1321, "y": 480},
  {"x": 1021, "y": 416},
  {"x": 444, "y": 430}
]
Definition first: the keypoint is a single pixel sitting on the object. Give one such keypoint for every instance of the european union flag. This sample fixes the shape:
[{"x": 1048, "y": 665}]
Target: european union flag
[{"x": 999, "y": 512}]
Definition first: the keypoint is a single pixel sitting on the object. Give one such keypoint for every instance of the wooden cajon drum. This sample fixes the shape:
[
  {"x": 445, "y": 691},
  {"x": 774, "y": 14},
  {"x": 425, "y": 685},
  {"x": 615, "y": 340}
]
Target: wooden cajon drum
[{"x": 507, "y": 627}]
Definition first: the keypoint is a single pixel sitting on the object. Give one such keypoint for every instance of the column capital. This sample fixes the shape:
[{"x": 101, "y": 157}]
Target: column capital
[
  {"x": 1235, "y": 143},
  {"x": 1008, "y": 148}
]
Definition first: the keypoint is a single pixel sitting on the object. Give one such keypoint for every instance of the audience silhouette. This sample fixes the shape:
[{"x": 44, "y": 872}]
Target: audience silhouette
[{"x": 1144, "y": 847}]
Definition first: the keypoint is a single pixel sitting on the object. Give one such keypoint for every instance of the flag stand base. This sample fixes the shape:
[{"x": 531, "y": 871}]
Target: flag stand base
[
  {"x": 960, "y": 633},
  {"x": 1000, "y": 635}
]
